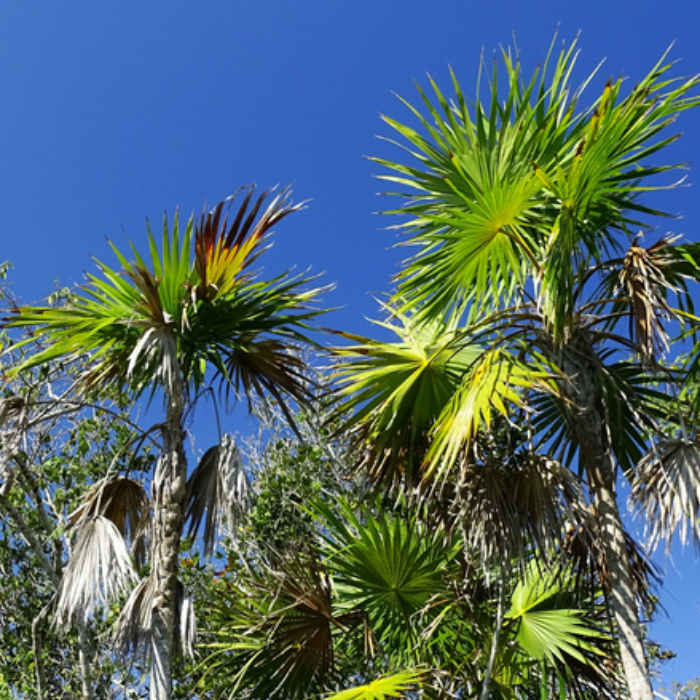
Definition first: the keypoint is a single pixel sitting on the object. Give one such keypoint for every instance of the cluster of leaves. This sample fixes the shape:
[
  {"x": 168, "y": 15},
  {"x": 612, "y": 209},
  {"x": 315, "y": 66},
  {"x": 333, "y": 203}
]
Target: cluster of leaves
[
  {"x": 384, "y": 599},
  {"x": 360, "y": 597}
]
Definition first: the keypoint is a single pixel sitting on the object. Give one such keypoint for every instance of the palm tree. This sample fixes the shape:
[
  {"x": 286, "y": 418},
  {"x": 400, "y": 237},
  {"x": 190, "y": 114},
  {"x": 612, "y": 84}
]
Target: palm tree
[
  {"x": 193, "y": 314},
  {"x": 380, "y": 609},
  {"x": 523, "y": 212}
]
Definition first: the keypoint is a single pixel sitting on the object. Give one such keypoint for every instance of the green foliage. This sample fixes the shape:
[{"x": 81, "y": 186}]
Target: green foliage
[
  {"x": 529, "y": 299},
  {"x": 192, "y": 306},
  {"x": 394, "y": 686}
]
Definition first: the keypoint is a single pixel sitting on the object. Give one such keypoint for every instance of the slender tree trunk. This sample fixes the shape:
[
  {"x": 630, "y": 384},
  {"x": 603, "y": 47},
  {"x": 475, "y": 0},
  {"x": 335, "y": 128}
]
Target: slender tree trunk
[
  {"x": 85, "y": 659},
  {"x": 590, "y": 426},
  {"x": 169, "y": 489}
]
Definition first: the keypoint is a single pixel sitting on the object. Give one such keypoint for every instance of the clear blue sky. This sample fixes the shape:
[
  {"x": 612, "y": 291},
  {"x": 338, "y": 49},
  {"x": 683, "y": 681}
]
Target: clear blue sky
[{"x": 111, "y": 112}]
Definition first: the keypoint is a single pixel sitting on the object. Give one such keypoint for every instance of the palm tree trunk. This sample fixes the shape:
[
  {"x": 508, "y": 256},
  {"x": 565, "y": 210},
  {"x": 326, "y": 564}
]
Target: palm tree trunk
[
  {"x": 591, "y": 429},
  {"x": 168, "y": 520}
]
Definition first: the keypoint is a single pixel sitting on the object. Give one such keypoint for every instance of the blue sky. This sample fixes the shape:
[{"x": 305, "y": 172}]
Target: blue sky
[{"x": 114, "y": 112}]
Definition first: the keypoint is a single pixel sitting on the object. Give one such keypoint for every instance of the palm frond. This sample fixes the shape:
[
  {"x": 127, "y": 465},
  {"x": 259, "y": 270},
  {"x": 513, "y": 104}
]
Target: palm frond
[
  {"x": 274, "y": 631},
  {"x": 218, "y": 485},
  {"x": 547, "y": 630},
  {"x": 666, "y": 487},
  {"x": 398, "y": 390},
  {"x": 122, "y": 501},
  {"x": 132, "y": 631},
  {"x": 98, "y": 570},
  {"x": 507, "y": 511},
  {"x": 641, "y": 285},
  {"x": 397, "y": 685},
  {"x": 390, "y": 569},
  {"x": 494, "y": 385},
  {"x": 193, "y": 307},
  {"x": 222, "y": 253}
]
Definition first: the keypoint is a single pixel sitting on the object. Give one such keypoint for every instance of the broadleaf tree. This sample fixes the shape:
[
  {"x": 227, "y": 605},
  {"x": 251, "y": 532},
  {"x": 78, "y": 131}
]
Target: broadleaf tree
[{"x": 54, "y": 446}]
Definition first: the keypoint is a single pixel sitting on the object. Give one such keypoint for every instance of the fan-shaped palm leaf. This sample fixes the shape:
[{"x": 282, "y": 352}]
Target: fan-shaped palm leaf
[
  {"x": 274, "y": 631},
  {"x": 544, "y": 628},
  {"x": 494, "y": 384},
  {"x": 666, "y": 486},
  {"x": 98, "y": 570},
  {"x": 388, "y": 568},
  {"x": 399, "y": 389},
  {"x": 219, "y": 486},
  {"x": 397, "y": 685}
]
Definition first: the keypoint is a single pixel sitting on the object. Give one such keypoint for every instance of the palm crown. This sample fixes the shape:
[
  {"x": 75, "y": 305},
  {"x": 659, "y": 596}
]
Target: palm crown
[{"x": 197, "y": 306}]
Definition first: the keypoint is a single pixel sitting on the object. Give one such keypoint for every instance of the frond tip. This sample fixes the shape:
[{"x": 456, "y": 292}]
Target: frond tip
[{"x": 398, "y": 685}]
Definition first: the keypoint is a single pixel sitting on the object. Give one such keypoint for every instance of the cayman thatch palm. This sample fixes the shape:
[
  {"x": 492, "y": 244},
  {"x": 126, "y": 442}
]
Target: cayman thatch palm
[
  {"x": 385, "y": 595},
  {"x": 524, "y": 211},
  {"x": 192, "y": 313}
]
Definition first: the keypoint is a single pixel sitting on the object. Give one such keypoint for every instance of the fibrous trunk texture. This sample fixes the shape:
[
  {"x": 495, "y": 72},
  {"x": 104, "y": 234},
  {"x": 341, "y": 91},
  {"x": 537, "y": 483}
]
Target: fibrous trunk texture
[
  {"x": 590, "y": 425},
  {"x": 168, "y": 502}
]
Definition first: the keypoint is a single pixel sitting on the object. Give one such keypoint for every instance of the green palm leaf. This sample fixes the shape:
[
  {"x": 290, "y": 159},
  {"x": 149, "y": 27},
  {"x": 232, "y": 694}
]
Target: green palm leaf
[
  {"x": 495, "y": 383},
  {"x": 191, "y": 307},
  {"x": 394, "y": 686},
  {"x": 390, "y": 569},
  {"x": 543, "y": 627},
  {"x": 398, "y": 390}
]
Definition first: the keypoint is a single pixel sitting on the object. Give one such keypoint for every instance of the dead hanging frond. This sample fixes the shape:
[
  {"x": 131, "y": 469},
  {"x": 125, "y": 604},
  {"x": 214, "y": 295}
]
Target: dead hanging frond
[
  {"x": 508, "y": 512},
  {"x": 582, "y": 550},
  {"x": 122, "y": 501},
  {"x": 186, "y": 624},
  {"x": 216, "y": 490},
  {"x": 132, "y": 631},
  {"x": 643, "y": 282},
  {"x": 97, "y": 572},
  {"x": 667, "y": 489}
]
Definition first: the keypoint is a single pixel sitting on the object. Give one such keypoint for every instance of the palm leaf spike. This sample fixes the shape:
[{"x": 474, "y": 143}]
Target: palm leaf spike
[{"x": 497, "y": 382}]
